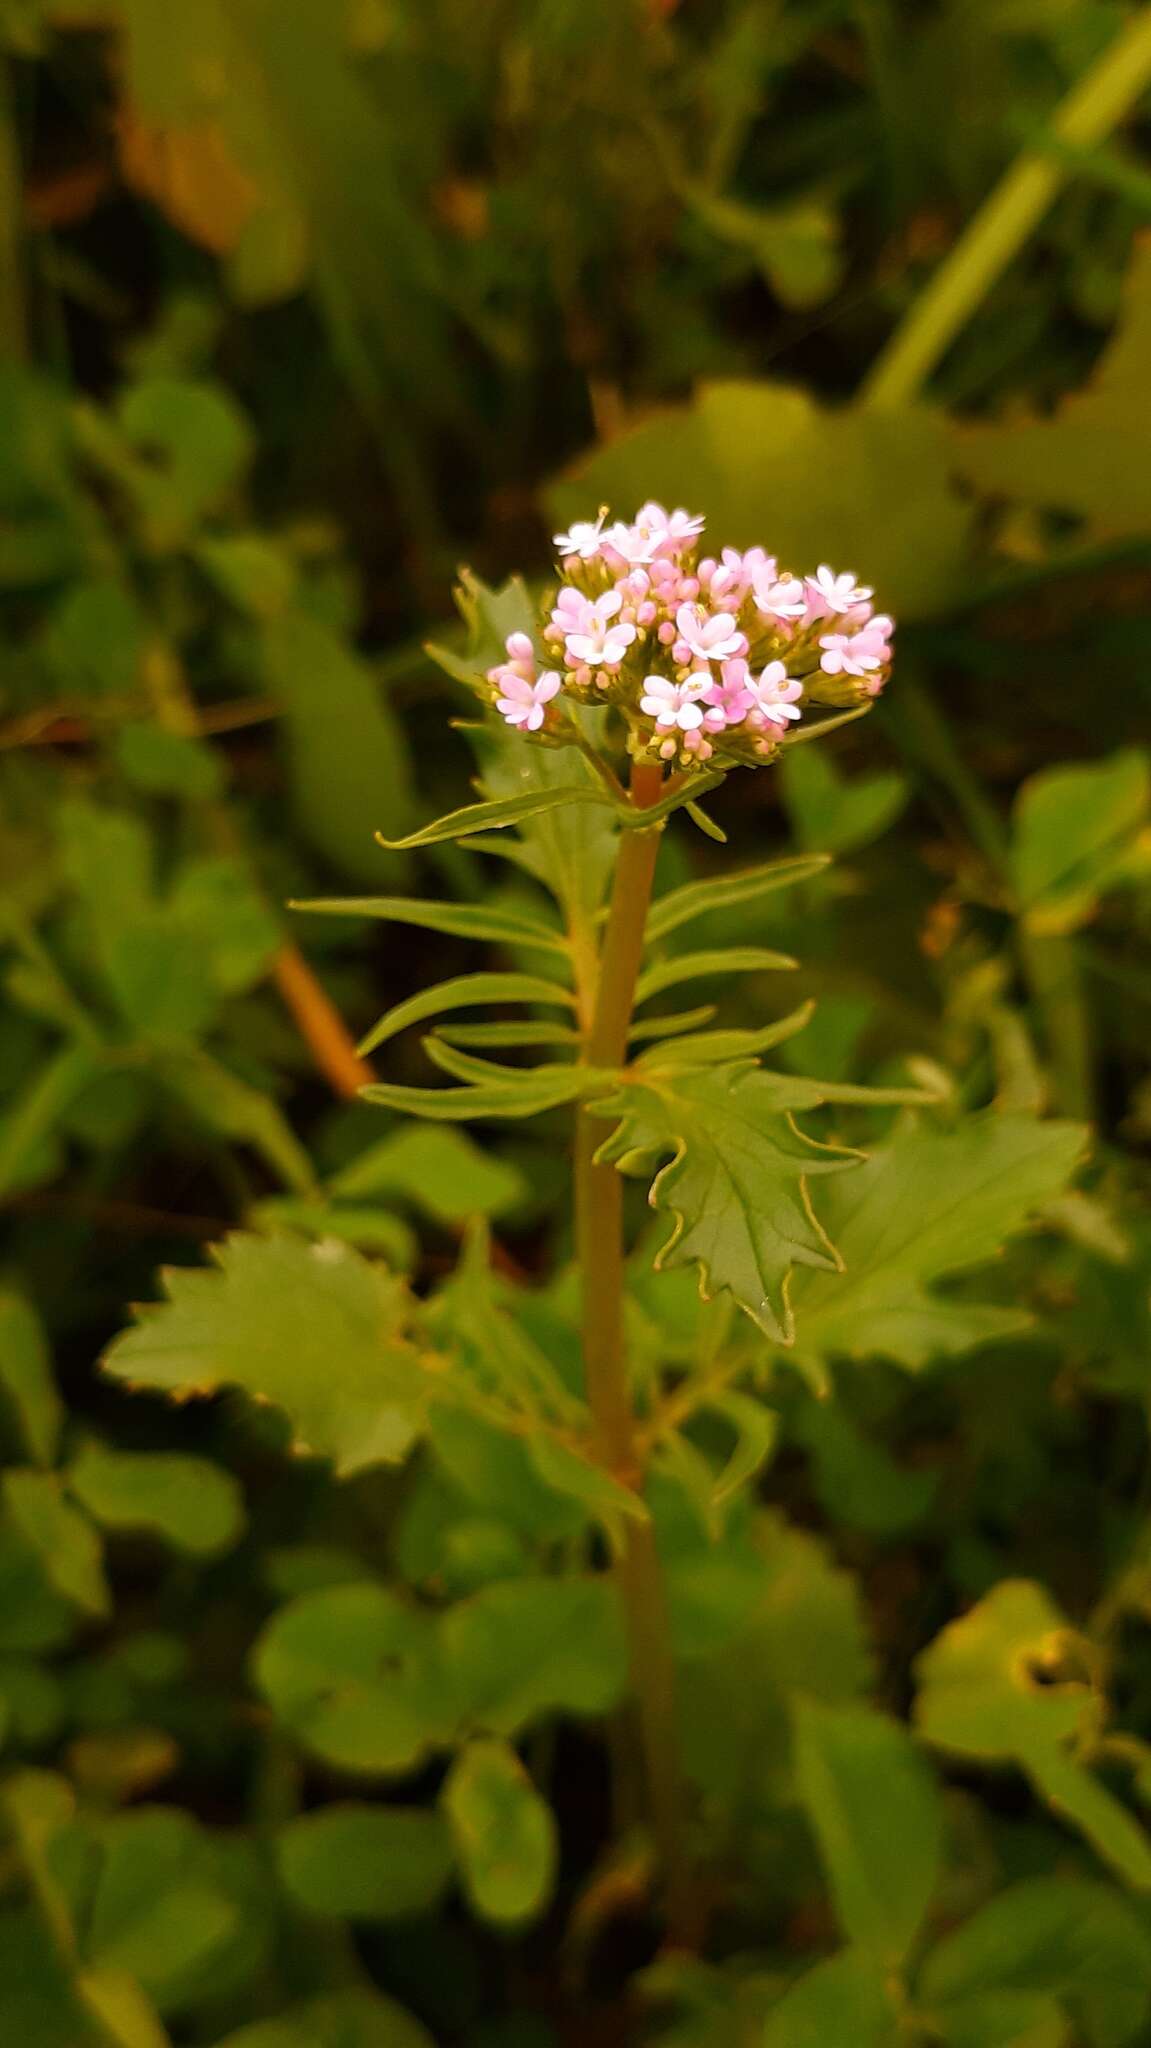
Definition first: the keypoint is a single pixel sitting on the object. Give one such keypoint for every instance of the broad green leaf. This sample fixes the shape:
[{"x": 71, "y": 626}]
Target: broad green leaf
[
  {"x": 458, "y": 920},
  {"x": 1049, "y": 1937},
  {"x": 729, "y": 892},
  {"x": 353, "y": 1673},
  {"x": 603, "y": 1498},
  {"x": 191, "y": 445},
  {"x": 859, "y": 1484},
  {"x": 65, "y": 1542},
  {"x": 348, "y": 761},
  {"x": 376, "y": 1231},
  {"x": 991, "y": 1687},
  {"x": 160, "y": 1911},
  {"x": 365, "y": 1862},
  {"x": 861, "y": 486},
  {"x": 168, "y": 763},
  {"x": 26, "y": 1377},
  {"x": 500, "y": 812},
  {"x": 1004, "y": 2019},
  {"x": 1091, "y": 458},
  {"x": 346, "y": 2019},
  {"x": 188, "y": 1502},
  {"x": 1074, "y": 830},
  {"x": 464, "y": 992},
  {"x": 504, "y": 1833},
  {"x": 664, "y": 974},
  {"x": 527, "y": 1647},
  {"x": 251, "y": 570},
  {"x": 831, "y": 813},
  {"x": 441, "y": 1172},
  {"x": 838, "y": 2004},
  {"x": 796, "y": 246},
  {"x": 315, "y": 1329},
  {"x": 876, "y": 1814},
  {"x": 928, "y": 1204},
  {"x": 736, "y": 1182}
]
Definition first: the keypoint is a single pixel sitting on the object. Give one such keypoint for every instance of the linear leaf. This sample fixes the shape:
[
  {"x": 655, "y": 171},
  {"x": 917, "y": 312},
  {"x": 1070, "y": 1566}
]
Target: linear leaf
[
  {"x": 465, "y": 1066},
  {"x": 726, "y": 892},
  {"x": 667, "y": 1027},
  {"x": 498, "y": 814},
  {"x": 462, "y": 992},
  {"x": 708, "y": 1048},
  {"x": 459, "y": 1105},
  {"x": 533, "y": 1031},
  {"x": 698, "y": 966},
  {"x": 458, "y": 920}
]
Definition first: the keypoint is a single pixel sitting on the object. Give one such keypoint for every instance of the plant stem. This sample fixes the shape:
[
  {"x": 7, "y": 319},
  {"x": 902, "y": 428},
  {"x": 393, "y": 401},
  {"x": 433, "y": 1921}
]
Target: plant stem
[
  {"x": 599, "y": 1232},
  {"x": 1008, "y": 216}
]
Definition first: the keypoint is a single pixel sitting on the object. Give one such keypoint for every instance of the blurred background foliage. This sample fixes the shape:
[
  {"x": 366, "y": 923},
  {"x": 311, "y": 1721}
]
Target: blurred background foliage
[{"x": 300, "y": 305}]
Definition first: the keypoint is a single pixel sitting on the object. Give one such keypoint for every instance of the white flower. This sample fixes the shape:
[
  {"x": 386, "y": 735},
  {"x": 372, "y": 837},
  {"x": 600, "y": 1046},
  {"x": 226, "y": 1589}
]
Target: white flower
[
  {"x": 774, "y": 694},
  {"x": 674, "y": 705},
  {"x": 583, "y": 539},
  {"x": 781, "y": 598}
]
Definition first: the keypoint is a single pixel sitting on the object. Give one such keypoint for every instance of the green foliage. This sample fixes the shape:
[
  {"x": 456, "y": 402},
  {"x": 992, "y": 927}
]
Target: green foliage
[{"x": 503, "y": 1832}]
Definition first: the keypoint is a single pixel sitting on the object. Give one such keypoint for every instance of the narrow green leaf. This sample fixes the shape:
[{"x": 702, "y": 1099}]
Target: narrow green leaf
[
  {"x": 462, "y": 992},
  {"x": 876, "y": 1814},
  {"x": 535, "y": 1031},
  {"x": 497, "y": 815},
  {"x": 706, "y": 825},
  {"x": 466, "y": 1066},
  {"x": 669, "y": 1026},
  {"x": 721, "y": 960},
  {"x": 457, "y": 920},
  {"x": 65, "y": 1542},
  {"x": 727, "y": 892},
  {"x": 505, "y": 1835},
  {"x": 26, "y": 1376},
  {"x": 708, "y": 1048},
  {"x": 461, "y": 1105},
  {"x": 756, "y": 1429}
]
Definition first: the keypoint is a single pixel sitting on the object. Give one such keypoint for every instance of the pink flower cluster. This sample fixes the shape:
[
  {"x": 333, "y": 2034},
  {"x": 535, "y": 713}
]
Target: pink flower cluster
[{"x": 702, "y": 656}]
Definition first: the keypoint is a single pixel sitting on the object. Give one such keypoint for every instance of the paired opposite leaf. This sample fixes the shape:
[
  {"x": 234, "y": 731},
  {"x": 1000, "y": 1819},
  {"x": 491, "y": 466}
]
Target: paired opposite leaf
[
  {"x": 314, "y": 1328},
  {"x": 736, "y": 1182}
]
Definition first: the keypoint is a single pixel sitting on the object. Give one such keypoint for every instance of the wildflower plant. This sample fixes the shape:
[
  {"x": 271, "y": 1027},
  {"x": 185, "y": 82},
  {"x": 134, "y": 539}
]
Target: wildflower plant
[{"x": 611, "y": 1424}]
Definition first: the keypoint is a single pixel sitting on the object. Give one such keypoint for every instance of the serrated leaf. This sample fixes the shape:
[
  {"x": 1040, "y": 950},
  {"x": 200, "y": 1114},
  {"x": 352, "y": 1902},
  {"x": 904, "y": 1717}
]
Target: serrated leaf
[
  {"x": 188, "y": 1502},
  {"x": 728, "y": 892},
  {"x": 365, "y": 1862},
  {"x": 664, "y": 974},
  {"x": 504, "y": 1833},
  {"x": 463, "y": 992},
  {"x": 499, "y": 812},
  {"x": 990, "y": 1687},
  {"x": 876, "y": 1814},
  {"x": 314, "y": 1328},
  {"x": 928, "y": 1204},
  {"x": 65, "y": 1542},
  {"x": 736, "y": 1182},
  {"x": 353, "y": 1672}
]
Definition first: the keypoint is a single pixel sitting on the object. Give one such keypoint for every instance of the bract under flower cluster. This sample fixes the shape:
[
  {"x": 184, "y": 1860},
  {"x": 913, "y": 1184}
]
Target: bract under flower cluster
[{"x": 708, "y": 659}]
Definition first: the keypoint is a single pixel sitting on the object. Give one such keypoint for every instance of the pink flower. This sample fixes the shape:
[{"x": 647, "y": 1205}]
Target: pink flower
[
  {"x": 521, "y": 660},
  {"x": 598, "y": 639},
  {"x": 571, "y": 611},
  {"x": 780, "y": 598},
  {"x": 583, "y": 539},
  {"x": 828, "y": 594},
  {"x": 674, "y": 705},
  {"x": 773, "y": 696},
  {"x": 731, "y": 578},
  {"x": 707, "y": 636},
  {"x": 728, "y": 699},
  {"x": 857, "y": 654},
  {"x": 653, "y": 533},
  {"x": 522, "y": 702}
]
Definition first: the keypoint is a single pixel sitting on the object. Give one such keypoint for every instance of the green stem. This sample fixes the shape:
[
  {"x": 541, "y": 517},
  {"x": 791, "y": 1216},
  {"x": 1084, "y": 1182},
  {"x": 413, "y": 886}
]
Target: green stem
[
  {"x": 599, "y": 1233},
  {"x": 1009, "y": 215}
]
